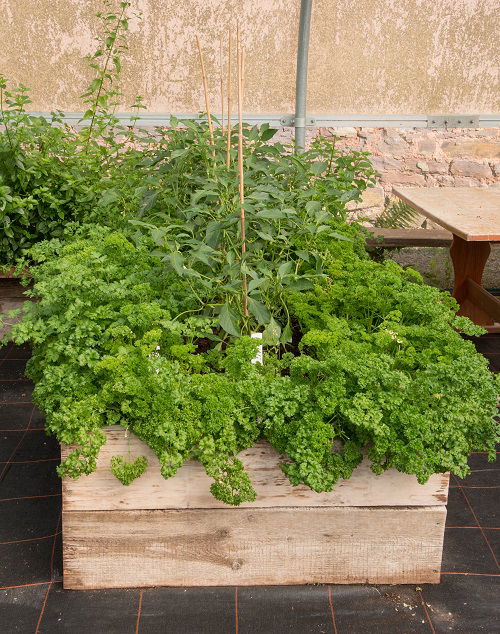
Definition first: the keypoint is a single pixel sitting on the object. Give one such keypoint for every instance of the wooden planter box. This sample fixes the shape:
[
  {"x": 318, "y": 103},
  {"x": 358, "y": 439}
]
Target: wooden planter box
[{"x": 369, "y": 529}]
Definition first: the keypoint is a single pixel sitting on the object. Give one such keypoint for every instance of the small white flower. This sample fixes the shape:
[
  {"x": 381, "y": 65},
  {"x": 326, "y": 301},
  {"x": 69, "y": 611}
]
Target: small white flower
[{"x": 394, "y": 336}]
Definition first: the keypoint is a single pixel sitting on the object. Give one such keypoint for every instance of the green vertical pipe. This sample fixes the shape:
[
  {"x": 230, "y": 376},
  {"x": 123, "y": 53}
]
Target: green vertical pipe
[{"x": 301, "y": 77}]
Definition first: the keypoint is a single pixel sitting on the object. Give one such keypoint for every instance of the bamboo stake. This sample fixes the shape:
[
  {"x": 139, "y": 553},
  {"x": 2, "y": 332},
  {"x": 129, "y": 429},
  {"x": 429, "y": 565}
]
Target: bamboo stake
[
  {"x": 240, "y": 166},
  {"x": 221, "y": 58},
  {"x": 228, "y": 150},
  {"x": 205, "y": 88}
]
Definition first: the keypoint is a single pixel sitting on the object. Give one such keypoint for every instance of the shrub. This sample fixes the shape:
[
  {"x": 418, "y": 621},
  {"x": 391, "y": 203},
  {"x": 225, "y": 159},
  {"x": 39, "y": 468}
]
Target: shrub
[
  {"x": 143, "y": 322},
  {"x": 52, "y": 174},
  {"x": 375, "y": 363}
]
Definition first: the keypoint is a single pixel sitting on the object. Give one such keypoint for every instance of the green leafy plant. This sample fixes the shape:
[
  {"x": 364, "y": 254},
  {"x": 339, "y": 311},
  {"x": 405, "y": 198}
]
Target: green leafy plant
[
  {"x": 140, "y": 318},
  {"x": 294, "y": 206},
  {"x": 376, "y": 364},
  {"x": 126, "y": 471},
  {"x": 397, "y": 214},
  {"x": 52, "y": 174}
]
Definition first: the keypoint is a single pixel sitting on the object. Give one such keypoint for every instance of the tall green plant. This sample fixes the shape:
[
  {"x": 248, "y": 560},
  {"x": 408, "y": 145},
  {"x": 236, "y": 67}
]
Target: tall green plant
[
  {"x": 104, "y": 92},
  {"x": 52, "y": 174},
  {"x": 294, "y": 206}
]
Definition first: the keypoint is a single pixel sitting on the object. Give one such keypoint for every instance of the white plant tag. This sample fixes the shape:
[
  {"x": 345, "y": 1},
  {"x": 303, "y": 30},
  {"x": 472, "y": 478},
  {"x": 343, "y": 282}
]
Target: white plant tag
[{"x": 259, "y": 357}]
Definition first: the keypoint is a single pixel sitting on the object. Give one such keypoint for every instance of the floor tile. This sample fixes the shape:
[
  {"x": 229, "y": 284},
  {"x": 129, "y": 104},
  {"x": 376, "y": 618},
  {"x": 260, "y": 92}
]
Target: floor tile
[
  {"x": 458, "y": 513},
  {"x": 486, "y": 506},
  {"x": 465, "y": 550},
  {"x": 188, "y": 611},
  {"x": 37, "y": 446},
  {"x": 493, "y": 537},
  {"x": 90, "y": 612},
  {"x": 16, "y": 391},
  {"x": 8, "y": 443},
  {"x": 19, "y": 415},
  {"x": 25, "y": 562},
  {"x": 378, "y": 610},
  {"x": 12, "y": 369},
  {"x": 29, "y": 518},
  {"x": 483, "y": 472},
  {"x": 21, "y": 352},
  {"x": 57, "y": 558},
  {"x": 5, "y": 350},
  {"x": 284, "y": 609},
  {"x": 464, "y": 605},
  {"x": 29, "y": 479},
  {"x": 20, "y": 609}
]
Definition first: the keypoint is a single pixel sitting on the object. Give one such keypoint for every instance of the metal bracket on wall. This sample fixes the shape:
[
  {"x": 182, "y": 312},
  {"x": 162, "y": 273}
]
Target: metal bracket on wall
[
  {"x": 405, "y": 121},
  {"x": 453, "y": 121},
  {"x": 289, "y": 120}
]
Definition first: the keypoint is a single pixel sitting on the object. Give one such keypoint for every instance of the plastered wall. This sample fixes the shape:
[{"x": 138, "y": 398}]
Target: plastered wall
[{"x": 367, "y": 56}]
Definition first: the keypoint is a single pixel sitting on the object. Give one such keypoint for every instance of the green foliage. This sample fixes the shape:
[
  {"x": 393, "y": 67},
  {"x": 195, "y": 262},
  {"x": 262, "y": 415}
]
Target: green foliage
[
  {"x": 40, "y": 185},
  {"x": 412, "y": 389},
  {"x": 141, "y": 320},
  {"x": 295, "y": 209},
  {"x": 127, "y": 472},
  {"x": 397, "y": 214},
  {"x": 52, "y": 174},
  {"x": 376, "y": 364}
]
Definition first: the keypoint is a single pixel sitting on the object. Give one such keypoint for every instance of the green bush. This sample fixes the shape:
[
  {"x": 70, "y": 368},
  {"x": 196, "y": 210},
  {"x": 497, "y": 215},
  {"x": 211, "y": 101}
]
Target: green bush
[
  {"x": 52, "y": 174},
  {"x": 147, "y": 300},
  {"x": 375, "y": 363},
  {"x": 294, "y": 207}
]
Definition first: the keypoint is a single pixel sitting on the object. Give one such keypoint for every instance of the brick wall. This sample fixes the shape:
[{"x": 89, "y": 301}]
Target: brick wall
[{"x": 422, "y": 157}]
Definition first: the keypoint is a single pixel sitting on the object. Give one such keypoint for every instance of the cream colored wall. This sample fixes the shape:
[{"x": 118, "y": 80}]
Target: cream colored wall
[{"x": 367, "y": 56}]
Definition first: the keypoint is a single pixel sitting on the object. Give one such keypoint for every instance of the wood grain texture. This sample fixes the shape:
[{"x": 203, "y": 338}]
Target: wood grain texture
[
  {"x": 469, "y": 260},
  {"x": 479, "y": 305},
  {"x": 111, "y": 549},
  {"x": 11, "y": 287},
  {"x": 390, "y": 237},
  {"x": 190, "y": 487},
  {"x": 484, "y": 300},
  {"x": 473, "y": 213}
]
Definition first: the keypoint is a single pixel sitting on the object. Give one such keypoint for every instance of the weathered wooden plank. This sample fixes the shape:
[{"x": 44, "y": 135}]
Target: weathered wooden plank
[
  {"x": 484, "y": 300},
  {"x": 12, "y": 288},
  {"x": 111, "y": 549},
  {"x": 190, "y": 488},
  {"x": 473, "y": 213},
  {"x": 388, "y": 237}
]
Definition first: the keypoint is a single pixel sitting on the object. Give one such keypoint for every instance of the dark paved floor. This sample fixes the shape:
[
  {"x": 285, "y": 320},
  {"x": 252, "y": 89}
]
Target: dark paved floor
[{"x": 33, "y": 601}]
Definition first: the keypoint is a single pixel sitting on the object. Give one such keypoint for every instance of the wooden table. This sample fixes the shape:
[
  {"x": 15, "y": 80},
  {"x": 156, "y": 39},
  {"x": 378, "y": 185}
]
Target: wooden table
[{"x": 472, "y": 214}]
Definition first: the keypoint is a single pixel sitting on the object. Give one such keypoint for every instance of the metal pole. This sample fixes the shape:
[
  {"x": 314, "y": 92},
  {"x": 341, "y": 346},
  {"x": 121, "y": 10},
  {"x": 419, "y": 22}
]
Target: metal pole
[{"x": 301, "y": 78}]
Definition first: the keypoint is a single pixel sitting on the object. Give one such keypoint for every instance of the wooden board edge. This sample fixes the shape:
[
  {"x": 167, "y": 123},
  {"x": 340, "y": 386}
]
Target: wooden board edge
[
  {"x": 142, "y": 496},
  {"x": 480, "y": 297},
  {"x": 75, "y": 579},
  {"x": 432, "y": 578},
  {"x": 462, "y": 234}
]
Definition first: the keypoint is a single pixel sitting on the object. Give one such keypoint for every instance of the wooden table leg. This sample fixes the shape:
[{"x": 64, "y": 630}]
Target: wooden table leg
[{"x": 469, "y": 259}]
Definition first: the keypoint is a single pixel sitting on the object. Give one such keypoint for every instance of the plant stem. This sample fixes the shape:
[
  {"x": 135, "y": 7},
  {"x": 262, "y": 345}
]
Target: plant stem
[
  {"x": 240, "y": 166},
  {"x": 106, "y": 64},
  {"x": 5, "y": 123},
  {"x": 228, "y": 150},
  {"x": 221, "y": 57},
  {"x": 205, "y": 89}
]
